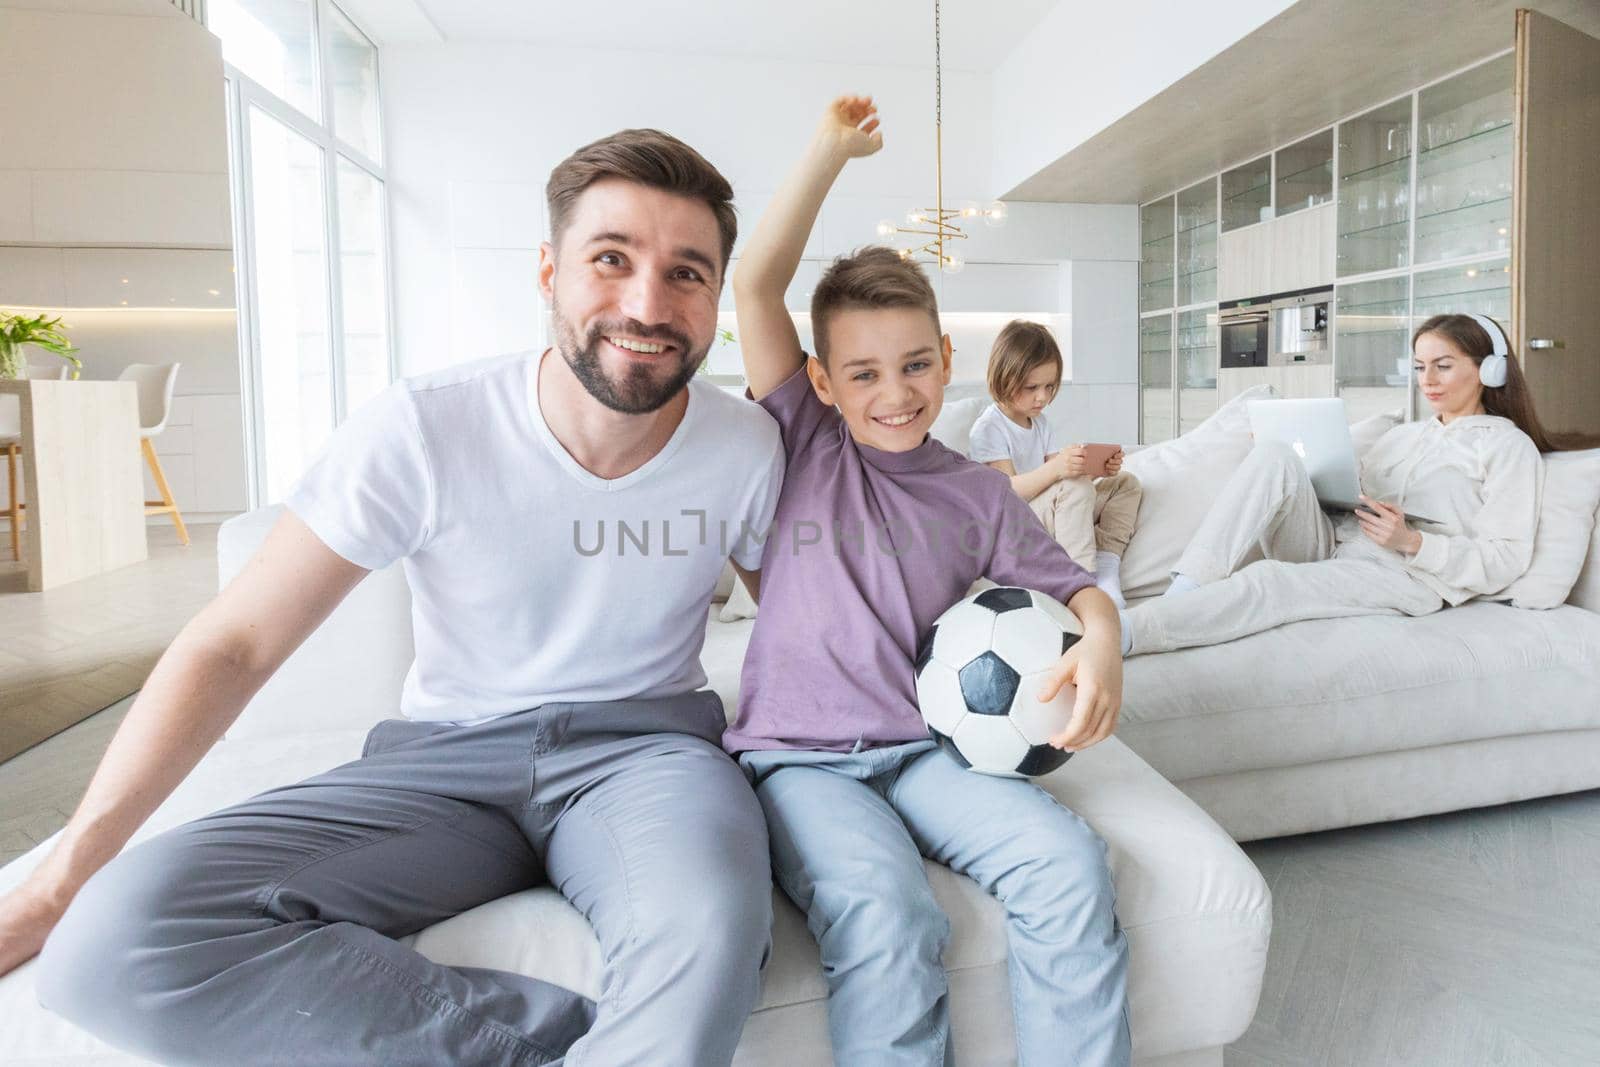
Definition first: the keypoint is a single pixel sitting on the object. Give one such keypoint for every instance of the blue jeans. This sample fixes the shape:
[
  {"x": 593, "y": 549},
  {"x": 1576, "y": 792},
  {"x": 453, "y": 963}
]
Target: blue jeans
[{"x": 849, "y": 832}]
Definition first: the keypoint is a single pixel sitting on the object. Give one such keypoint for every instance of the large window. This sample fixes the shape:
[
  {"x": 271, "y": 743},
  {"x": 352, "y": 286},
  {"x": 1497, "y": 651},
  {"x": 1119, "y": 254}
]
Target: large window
[{"x": 311, "y": 225}]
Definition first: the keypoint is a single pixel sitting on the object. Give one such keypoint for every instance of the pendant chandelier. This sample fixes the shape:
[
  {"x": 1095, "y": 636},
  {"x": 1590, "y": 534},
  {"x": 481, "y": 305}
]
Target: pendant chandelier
[{"x": 939, "y": 227}]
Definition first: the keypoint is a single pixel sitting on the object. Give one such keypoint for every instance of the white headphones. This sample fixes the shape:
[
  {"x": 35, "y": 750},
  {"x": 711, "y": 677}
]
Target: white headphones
[{"x": 1492, "y": 371}]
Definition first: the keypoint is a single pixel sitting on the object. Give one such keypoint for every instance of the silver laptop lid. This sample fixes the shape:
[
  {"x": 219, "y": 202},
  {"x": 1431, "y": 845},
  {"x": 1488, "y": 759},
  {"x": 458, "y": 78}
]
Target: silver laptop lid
[{"x": 1318, "y": 431}]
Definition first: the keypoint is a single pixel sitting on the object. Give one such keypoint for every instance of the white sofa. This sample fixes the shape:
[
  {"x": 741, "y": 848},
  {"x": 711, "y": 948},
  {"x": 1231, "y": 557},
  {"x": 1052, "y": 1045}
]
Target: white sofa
[
  {"x": 1341, "y": 722},
  {"x": 1196, "y": 911}
]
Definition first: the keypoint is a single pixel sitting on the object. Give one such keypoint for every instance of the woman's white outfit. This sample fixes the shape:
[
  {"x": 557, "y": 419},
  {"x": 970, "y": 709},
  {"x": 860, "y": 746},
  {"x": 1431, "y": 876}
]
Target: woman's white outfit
[{"x": 1478, "y": 477}]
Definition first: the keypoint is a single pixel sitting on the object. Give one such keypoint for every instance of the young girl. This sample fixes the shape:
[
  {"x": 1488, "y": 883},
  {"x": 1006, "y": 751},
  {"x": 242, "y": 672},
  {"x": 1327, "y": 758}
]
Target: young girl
[
  {"x": 1092, "y": 518},
  {"x": 1473, "y": 467}
]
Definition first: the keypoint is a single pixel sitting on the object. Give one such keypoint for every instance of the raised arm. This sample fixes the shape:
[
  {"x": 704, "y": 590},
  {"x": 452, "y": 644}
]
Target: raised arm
[
  {"x": 201, "y": 684},
  {"x": 767, "y": 336}
]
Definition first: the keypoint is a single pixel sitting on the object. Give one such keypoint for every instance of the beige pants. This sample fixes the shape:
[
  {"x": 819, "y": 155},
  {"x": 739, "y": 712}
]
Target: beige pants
[
  {"x": 1308, "y": 574},
  {"x": 1085, "y": 514}
]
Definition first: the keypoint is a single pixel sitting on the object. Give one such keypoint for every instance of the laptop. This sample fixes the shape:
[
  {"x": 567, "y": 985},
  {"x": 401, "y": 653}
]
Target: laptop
[{"x": 1319, "y": 433}]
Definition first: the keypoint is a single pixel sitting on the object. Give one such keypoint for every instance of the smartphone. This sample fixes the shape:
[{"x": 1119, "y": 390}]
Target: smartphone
[{"x": 1095, "y": 458}]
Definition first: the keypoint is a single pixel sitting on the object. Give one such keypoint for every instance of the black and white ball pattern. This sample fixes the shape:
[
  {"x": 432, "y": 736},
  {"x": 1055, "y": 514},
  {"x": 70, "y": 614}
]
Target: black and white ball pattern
[{"x": 978, "y": 675}]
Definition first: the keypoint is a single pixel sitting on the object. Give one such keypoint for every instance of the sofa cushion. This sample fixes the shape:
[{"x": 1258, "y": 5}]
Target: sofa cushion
[
  {"x": 1567, "y": 504},
  {"x": 1181, "y": 478},
  {"x": 1336, "y": 688},
  {"x": 1586, "y": 593},
  {"x": 1196, "y": 911},
  {"x": 953, "y": 427}
]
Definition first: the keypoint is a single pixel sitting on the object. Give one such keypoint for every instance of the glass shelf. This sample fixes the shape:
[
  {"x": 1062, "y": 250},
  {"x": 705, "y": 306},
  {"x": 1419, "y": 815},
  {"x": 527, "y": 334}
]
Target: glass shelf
[
  {"x": 1157, "y": 265},
  {"x": 1456, "y": 211},
  {"x": 1462, "y": 231},
  {"x": 1465, "y": 137},
  {"x": 1374, "y": 229},
  {"x": 1372, "y": 345},
  {"x": 1246, "y": 190},
  {"x": 1376, "y": 172},
  {"x": 1305, "y": 173},
  {"x": 1156, "y": 397},
  {"x": 1316, "y": 168},
  {"x": 1464, "y": 151},
  {"x": 1480, "y": 288},
  {"x": 1197, "y": 243},
  {"x": 1197, "y": 353}
]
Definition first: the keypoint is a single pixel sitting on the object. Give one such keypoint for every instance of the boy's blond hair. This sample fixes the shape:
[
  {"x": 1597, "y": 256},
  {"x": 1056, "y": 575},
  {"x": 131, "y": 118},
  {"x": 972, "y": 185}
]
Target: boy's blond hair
[
  {"x": 1021, "y": 348},
  {"x": 870, "y": 277}
]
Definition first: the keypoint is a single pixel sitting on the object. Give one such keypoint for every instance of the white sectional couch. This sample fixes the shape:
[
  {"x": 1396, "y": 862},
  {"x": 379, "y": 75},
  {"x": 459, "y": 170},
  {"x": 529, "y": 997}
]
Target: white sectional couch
[
  {"x": 1341, "y": 722},
  {"x": 1338, "y": 722},
  {"x": 1196, "y": 911}
]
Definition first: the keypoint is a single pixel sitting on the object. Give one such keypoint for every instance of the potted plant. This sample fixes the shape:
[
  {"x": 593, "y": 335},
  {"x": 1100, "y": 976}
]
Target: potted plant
[{"x": 19, "y": 331}]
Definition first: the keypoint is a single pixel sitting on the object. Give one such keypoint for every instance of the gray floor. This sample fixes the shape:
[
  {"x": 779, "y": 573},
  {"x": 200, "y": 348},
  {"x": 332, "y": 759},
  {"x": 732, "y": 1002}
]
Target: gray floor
[{"x": 1470, "y": 938}]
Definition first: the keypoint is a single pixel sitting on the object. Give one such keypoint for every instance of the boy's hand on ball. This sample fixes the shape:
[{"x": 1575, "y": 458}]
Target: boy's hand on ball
[{"x": 1094, "y": 666}]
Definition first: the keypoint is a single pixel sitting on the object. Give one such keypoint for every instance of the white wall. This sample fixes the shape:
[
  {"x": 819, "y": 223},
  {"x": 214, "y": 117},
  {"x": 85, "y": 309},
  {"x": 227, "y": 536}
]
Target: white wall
[
  {"x": 114, "y": 212},
  {"x": 473, "y": 132},
  {"x": 1086, "y": 65}
]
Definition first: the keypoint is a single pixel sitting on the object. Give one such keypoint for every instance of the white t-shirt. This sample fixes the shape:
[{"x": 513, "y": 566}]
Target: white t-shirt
[
  {"x": 532, "y": 580},
  {"x": 996, "y": 437}
]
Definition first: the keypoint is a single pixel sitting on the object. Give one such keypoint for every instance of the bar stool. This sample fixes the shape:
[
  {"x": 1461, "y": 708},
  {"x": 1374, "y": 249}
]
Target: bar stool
[{"x": 155, "y": 382}]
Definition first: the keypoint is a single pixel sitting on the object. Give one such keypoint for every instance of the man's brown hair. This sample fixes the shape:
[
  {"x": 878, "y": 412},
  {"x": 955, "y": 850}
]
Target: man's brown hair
[
  {"x": 648, "y": 157},
  {"x": 1021, "y": 348},
  {"x": 870, "y": 277}
]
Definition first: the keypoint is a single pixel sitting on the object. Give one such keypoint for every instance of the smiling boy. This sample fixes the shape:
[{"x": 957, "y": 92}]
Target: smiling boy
[{"x": 872, "y": 540}]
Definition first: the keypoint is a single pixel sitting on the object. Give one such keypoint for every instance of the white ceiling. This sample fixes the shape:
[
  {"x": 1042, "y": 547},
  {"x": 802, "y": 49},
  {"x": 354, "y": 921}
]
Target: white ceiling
[{"x": 976, "y": 36}]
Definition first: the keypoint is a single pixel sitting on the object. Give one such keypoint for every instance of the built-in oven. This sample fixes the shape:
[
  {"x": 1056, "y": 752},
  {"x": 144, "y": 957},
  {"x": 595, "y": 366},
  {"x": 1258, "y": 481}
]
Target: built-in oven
[
  {"x": 1244, "y": 327},
  {"x": 1276, "y": 330}
]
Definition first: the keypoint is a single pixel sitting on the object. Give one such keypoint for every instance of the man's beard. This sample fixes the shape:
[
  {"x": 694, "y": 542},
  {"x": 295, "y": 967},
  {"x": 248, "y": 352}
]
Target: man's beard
[{"x": 638, "y": 391}]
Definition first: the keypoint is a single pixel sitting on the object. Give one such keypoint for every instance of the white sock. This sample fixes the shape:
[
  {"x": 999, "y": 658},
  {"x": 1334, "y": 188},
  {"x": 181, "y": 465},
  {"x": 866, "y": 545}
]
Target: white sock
[
  {"x": 1181, "y": 583},
  {"x": 1127, "y": 633},
  {"x": 1108, "y": 576}
]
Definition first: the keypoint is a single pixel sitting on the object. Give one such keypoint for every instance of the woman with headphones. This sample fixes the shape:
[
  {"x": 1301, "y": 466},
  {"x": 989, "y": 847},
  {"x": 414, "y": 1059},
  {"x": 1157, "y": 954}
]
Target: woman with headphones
[{"x": 1473, "y": 469}]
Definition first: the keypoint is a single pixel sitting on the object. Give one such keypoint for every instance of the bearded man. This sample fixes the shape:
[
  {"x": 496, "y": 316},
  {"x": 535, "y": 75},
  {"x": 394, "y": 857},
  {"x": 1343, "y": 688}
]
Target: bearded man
[{"x": 554, "y": 727}]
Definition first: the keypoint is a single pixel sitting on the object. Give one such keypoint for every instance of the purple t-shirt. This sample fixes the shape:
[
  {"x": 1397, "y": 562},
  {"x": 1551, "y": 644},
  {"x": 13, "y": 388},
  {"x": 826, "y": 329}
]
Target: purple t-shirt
[{"x": 867, "y": 549}]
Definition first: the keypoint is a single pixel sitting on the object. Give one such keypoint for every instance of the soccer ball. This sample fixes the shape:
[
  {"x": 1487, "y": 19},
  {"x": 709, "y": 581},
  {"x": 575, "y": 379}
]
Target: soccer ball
[{"x": 978, "y": 676}]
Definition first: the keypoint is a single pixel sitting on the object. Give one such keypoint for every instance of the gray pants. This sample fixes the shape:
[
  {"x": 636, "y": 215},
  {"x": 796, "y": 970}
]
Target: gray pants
[
  {"x": 1308, "y": 573},
  {"x": 264, "y": 934}
]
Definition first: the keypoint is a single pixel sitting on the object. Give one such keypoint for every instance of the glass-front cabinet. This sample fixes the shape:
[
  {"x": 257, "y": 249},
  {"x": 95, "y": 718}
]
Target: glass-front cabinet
[
  {"x": 1156, "y": 239},
  {"x": 1197, "y": 244},
  {"x": 1482, "y": 288},
  {"x": 1247, "y": 194},
  {"x": 1372, "y": 345},
  {"x": 1374, "y": 214},
  {"x": 1305, "y": 173},
  {"x": 1197, "y": 358},
  {"x": 1464, "y": 153},
  {"x": 1423, "y": 188},
  {"x": 1155, "y": 378}
]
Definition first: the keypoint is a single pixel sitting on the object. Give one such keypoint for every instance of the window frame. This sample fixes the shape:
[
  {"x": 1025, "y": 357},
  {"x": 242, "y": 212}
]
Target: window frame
[{"x": 242, "y": 93}]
